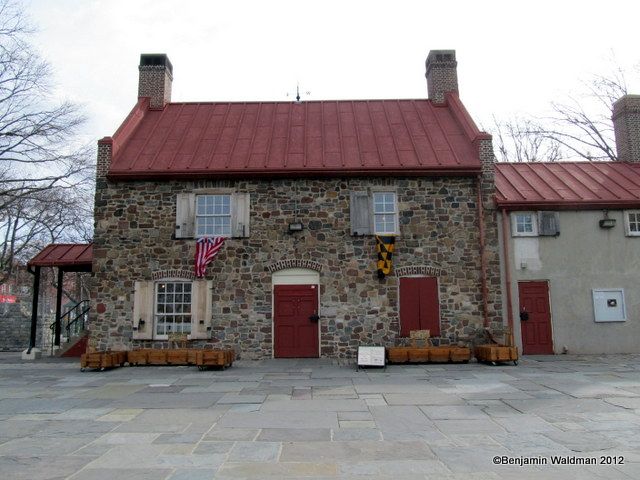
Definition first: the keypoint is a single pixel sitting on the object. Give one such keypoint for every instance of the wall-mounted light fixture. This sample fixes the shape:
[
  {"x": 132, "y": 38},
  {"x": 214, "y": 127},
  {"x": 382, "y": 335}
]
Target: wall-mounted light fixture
[
  {"x": 607, "y": 222},
  {"x": 295, "y": 227}
]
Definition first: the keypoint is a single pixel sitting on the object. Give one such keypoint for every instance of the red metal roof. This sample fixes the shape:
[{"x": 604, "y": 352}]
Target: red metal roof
[
  {"x": 568, "y": 185},
  {"x": 289, "y": 138},
  {"x": 76, "y": 256}
]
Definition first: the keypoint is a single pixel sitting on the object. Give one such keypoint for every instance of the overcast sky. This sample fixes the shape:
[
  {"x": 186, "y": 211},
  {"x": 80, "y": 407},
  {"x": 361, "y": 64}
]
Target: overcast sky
[{"x": 513, "y": 57}]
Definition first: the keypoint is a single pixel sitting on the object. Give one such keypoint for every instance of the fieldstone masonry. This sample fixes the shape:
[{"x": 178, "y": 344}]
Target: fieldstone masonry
[
  {"x": 15, "y": 328},
  {"x": 134, "y": 237}
]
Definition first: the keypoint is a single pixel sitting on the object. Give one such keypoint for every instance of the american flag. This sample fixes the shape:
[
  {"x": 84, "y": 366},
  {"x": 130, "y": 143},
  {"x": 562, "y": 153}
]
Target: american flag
[{"x": 206, "y": 249}]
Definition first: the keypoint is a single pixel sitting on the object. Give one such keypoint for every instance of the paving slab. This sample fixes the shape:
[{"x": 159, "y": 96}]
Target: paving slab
[
  {"x": 207, "y": 448},
  {"x": 294, "y": 435},
  {"x": 456, "y": 412},
  {"x": 355, "y": 451},
  {"x": 315, "y": 405},
  {"x": 352, "y": 434},
  {"x": 221, "y": 433},
  {"x": 26, "y": 467},
  {"x": 279, "y": 419},
  {"x": 582, "y": 441},
  {"x": 263, "y": 452},
  {"x": 305, "y": 418},
  {"x": 297, "y": 470}
]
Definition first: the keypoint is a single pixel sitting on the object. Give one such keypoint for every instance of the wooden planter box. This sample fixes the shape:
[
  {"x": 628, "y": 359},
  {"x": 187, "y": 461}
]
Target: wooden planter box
[
  {"x": 496, "y": 353},
  {"x": 157, "y": 357},
  {"x": 119, "y": 358},
  {"x": 439, "y": 354},
  {"x": 214, "y": 358},
  {"x": 138, "y": 357},
  {"x": 102, "y": 360},
  {"x": 398, "y": 354},
  {"x": 191, "y": 356},
  {"x": 419, "y": 354},
  {"x": 460, "y": 354},
  {"x": 177, "y": 356}
]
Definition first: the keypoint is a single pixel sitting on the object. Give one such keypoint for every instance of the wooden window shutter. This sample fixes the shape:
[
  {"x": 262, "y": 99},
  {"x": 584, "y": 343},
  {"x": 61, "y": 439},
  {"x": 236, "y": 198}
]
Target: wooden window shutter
[
  {"x": 185, "y": 215},
  {"x": 201, "y": 309},
  {"x": 360, "y": 213},
  {"x": 143, "y": 307},
  {"x": 548, "y": 224},
  {"x": 240, "y": 214}
]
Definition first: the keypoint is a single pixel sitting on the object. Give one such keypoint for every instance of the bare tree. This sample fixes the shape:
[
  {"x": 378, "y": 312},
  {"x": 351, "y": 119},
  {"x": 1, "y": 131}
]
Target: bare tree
[
  {"x": 515, "y": 142},
  {"x": 45, "y": 176},
  {"x": 578, "y": 128}
]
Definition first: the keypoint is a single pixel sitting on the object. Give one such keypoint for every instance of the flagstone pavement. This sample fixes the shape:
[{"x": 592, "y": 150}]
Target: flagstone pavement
[{"x": 321, "y": 419}]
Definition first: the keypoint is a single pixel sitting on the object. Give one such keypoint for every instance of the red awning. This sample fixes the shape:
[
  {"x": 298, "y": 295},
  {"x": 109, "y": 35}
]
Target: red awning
[{"x": 67, "y": 256}]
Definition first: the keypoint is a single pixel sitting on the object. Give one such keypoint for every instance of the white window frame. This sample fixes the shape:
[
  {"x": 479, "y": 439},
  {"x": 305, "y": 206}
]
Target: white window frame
[
  {"x": 395, "y": 213},
  {"x": 157, "y": 314},
  {"x": 514, "y": 224},
  {"x": 628, "y": 223},
  {"x": 228, "y": 215}
]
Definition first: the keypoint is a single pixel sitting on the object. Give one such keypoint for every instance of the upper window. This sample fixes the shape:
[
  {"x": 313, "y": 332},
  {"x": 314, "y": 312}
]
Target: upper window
[
  {"x": 632, "y": 223},
  {"x": 173, "y": 308},
  {"x": 385, "y": 213},
  {"x": 524, "y": 224},
  {"x": 213, "y": 215}
]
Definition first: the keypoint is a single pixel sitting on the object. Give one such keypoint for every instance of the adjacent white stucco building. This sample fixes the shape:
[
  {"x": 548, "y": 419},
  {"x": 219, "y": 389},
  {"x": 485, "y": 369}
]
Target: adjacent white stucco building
[{"x": 570, "y": 243}]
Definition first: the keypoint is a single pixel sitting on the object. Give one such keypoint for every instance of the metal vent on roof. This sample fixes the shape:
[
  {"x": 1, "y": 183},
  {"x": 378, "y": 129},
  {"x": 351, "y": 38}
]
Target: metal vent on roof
[{"x": 155, "y": 59}]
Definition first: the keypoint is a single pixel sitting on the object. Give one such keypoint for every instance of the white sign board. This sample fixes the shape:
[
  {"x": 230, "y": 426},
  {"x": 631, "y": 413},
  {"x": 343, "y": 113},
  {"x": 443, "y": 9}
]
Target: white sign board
[{"x": 371, "y": 357}]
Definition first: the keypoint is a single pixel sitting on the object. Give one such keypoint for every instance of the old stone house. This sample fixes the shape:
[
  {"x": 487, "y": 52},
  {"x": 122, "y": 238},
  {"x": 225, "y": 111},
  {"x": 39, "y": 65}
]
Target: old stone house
[
  {"x": 572, "y": 237},
  {"x": 298, "y": 190}
]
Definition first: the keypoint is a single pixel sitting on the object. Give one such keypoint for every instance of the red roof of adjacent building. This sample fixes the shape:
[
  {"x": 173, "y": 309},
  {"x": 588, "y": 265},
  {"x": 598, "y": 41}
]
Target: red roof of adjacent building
[
  {"x": 570, "y": 185},
  {"x": 71, "y": 256},
  {"x": 366, "y": 137}
]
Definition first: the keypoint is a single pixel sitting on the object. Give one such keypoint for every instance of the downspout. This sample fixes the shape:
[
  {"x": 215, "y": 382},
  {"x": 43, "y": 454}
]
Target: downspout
[
  {"x": 507, "y": 269},
  {"x": 483, "y": 259}
]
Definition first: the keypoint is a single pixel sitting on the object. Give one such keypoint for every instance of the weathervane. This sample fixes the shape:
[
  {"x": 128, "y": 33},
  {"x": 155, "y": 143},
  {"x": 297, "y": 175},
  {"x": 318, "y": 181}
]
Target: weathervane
[{"x": 298, "y": 92}]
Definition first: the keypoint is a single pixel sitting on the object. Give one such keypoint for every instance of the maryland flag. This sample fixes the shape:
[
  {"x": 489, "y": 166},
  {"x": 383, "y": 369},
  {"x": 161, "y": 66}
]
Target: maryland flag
[{"x": 384, "y": 247}]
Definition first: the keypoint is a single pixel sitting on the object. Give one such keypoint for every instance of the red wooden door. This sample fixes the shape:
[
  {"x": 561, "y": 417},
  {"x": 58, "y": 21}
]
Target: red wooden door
[
  {"x": 419, "y": 305},
  {"x": 535, "y": 318},
  {"x": 296, "y": 333}
]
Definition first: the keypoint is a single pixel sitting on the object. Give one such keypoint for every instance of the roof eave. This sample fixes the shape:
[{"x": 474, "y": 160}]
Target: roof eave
[
  {"x": 299, "y": 173},
  {"x": 570, "y": 205}
]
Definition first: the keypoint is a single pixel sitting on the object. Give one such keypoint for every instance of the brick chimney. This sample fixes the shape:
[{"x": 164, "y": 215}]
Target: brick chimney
[
  {"x": 156, "y": 75},
  {"x": 626, "y": 125},
  {"x": 442, "y": 75}
]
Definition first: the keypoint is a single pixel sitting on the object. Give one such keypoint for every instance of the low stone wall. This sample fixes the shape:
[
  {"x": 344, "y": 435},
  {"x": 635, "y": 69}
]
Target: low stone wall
[{"x": 15, "y": 326}]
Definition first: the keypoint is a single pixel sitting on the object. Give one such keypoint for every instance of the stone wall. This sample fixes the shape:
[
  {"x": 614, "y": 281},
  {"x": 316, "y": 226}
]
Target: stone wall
[
  {"x": 15, "y": 328},
  {"x": 439, "y": 232}
]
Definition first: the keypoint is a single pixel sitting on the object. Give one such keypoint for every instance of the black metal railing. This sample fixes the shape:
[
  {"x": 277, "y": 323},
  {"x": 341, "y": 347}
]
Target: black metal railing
[{"x": 73, "y": 320}]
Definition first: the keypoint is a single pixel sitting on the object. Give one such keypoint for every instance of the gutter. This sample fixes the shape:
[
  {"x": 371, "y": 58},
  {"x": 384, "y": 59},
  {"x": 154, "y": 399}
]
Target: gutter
[{"x": 483, "y": 259}]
